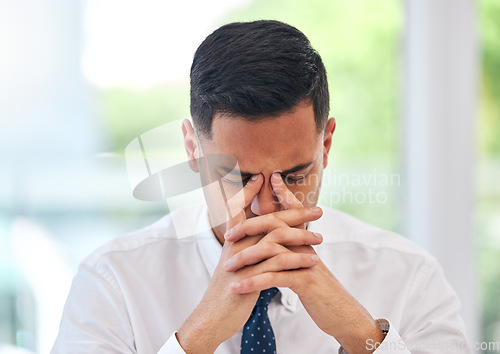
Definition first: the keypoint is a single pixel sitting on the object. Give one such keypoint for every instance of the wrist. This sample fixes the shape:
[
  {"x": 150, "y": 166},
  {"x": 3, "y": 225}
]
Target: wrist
[
  {"x": 196, "y": 336},
  {"x": 365, "y": 339}
]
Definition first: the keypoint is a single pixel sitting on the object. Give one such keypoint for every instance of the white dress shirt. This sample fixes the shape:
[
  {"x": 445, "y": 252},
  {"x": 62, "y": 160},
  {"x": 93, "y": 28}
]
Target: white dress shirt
[{"x": 133, "y": 294}]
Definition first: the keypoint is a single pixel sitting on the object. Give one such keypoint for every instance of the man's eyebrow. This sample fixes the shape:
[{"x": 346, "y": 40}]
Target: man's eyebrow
[
  {"x": 297, "y": 168},
  {"x": 249, "y": 174}
]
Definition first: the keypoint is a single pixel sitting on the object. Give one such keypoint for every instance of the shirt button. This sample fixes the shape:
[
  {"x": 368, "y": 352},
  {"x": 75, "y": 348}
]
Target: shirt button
[{"x": 291, "y": 300}]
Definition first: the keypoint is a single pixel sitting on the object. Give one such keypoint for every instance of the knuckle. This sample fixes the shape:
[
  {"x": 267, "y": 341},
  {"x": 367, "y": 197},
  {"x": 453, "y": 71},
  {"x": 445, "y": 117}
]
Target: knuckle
[
  {"x": 247, "y": 272},
  {"x": 289, "y": 261},
  {"x": 239, "y": 226},
  {"x": 274, "y": 235},
  {"x": 267, "y": 247},
  {"x": 306, "y": 212},
  {"x": 282, "y": 223},
  {"x": 282, "y": 260},
  {"x": 270, "y": 277},
  {"x": 306, "y": 259},
  {"x": 272, "y": 219},
  {"x": 230, "y": 249},
  {"x": 279, "y": 234},
  {"x": 236, "y": 258},
  {"x": 236, "y": 228},
  {"x": 248, "y": 283},
  {"x": 275, "y": 221},
  {"x": 236, "y": 248}
]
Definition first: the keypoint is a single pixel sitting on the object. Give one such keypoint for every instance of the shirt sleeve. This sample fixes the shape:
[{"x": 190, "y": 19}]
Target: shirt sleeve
[
  {"x": 172, "y": 346},
  {"x": 431, "y": 321},
  {"x": 95, "y": 318},
  {"x": 392, "y": 342}
]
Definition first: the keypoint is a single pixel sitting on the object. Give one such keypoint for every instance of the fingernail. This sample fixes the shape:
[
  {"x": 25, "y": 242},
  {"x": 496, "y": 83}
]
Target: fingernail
[
  {"x": 314, "y": 258},
  {"x": 316, "y": 209},
  {"x": 318, "y": 235},
  {"x": 254, "y": 177},
  {"x": 228, "y": 234},
  {"x": 227, "y": 264},
  {"x": 235, "y": 285},
  {"x": 275, "y": 180}
]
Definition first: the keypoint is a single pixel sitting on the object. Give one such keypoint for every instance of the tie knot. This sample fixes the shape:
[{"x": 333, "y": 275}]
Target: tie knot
[{"x": 266, "y": 296}]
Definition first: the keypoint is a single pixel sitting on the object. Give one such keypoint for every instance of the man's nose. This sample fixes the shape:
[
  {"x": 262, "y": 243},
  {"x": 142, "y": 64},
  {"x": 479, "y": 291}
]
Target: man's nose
[{"x": 265, "y": 202}]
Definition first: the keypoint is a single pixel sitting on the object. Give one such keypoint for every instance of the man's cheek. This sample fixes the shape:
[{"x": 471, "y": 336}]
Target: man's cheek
[
  {"x": 299, "y": 192},
  {"x": 217, "y": 195},
  {"x": 307, "y": 194}
]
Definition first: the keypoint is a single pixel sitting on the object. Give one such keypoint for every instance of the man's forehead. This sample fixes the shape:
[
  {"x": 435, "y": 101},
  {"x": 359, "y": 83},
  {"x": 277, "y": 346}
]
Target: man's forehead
[
  {"x": 299, "y": 115},
  {"x": 284, "y": 143}
]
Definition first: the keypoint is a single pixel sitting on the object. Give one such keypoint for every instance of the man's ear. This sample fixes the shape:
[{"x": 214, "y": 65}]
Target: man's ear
[
  {"x": 191, "y": 145},
  {"x": 327, "y": 140}
]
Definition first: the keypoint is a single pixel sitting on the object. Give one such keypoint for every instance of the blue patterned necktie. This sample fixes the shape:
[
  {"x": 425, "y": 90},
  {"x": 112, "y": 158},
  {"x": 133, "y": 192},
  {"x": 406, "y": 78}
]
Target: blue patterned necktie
[{"x": 258, "y": 335}]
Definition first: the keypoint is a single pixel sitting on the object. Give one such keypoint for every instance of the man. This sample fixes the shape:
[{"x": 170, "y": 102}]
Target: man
[{"x": 259, "y": 96}]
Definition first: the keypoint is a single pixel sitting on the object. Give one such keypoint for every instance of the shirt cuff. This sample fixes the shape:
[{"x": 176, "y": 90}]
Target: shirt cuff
[
  {"x": 392, "y": 342},
  {"x": 172, "y": 346}
]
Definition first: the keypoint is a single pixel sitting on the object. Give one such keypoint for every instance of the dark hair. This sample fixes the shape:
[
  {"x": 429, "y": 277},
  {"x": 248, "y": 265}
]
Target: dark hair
[{"x": 256, "y": 69}]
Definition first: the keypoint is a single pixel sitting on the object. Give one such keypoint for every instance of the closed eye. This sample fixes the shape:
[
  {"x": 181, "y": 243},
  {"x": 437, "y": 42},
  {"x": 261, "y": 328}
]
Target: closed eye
[
  {"x": 236, "y": 182},
  {"x": 291, "y": 179},
  {"x": 288, "y": 179}
]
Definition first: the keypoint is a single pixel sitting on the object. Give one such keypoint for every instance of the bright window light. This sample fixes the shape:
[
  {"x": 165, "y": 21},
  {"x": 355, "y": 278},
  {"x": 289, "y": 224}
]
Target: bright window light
[{"x": 138, "y": 44}]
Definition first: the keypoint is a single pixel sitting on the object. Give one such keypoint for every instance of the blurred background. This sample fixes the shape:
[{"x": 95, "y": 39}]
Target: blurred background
[{"x": 415, "y": 89}]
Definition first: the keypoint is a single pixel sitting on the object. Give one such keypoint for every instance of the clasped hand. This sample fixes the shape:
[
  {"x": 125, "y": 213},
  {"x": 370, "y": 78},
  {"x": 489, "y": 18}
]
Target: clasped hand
[{"x": 281, "y": 252}]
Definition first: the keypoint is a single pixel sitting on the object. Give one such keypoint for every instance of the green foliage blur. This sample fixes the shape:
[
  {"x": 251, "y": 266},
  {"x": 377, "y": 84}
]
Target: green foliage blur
[
  {"x": 128, "y": 114},
  {"x": 489, "y": 114},
  {"x": 488, "y": 202}
]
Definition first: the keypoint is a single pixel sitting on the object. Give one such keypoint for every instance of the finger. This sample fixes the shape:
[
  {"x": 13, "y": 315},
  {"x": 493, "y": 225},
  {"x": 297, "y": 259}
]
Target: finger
[
  {"x": 266, "y": 223},
  {"x": 253, "y": 255},
  {"x": 287, "y": 261},
  {"x": 236, "y": 204},
  {"x": 267, "y": 280},
  {"x": 259, "y": 226},
  {"x": 286, "y": 198},
  {"x": 264, "y": 250},
  {"x": 290, "y": 236}
]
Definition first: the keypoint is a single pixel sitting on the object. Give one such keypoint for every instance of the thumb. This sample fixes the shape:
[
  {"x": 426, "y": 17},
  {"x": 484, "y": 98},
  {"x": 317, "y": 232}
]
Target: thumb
[
  {"x": 285, "y": 197},
  {"x": 236, "y": 205}
]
